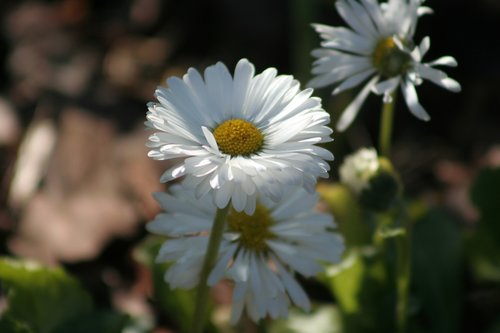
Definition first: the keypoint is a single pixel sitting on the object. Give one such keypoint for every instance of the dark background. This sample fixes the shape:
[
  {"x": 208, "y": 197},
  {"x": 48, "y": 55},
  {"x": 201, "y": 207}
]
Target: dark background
[{"x": 89, "y": 68}]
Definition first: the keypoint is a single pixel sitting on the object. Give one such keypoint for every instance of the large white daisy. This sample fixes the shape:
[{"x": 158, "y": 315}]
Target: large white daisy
[
  {"x": 260, "y": 253},
  {"x": 239, "y": 136},
  {"x": 379, "y": 48}
]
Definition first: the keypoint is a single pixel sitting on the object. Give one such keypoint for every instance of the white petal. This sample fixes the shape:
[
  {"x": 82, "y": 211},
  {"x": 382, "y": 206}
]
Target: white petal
[
  {"x": 444, "y": 61},
  {"x": 223, "y": 195},
  {"x": 295, "y": 291},
  {"x": 351, "y": 111},
  {"x": 210, "y": 138},
  {"x": 221, "y": 265},
  {"x": 239, "y": 199},
  {"x": 243, "y": 75},
  {"x": 356, "y": 17},
  {"x": 297, "y": 201},
  {"x": 251, "y": 204},
  {"x": 219, "y": 85},
  {"x": 172, "y": 203},
  {"x": 410, "y": 95},
  {"x": 423, "y": 10},
  {"x": 424, "y": 46},
  {"x": 239, "y": 271},
  {"x": 238, "y": 304},
  {"x": 174, "y": 172},
  {"x": 341, "y": 72},
  {"x": 257, "y": 91},
  {"x": 386, "y": 86},
  {"x": 438, "y": 77},
  {"x": 451, "y": 84},
  {"x": 344, "y": 39},
  {"x": 373, "y": 7},
  {"x": 353, "y": 81}
]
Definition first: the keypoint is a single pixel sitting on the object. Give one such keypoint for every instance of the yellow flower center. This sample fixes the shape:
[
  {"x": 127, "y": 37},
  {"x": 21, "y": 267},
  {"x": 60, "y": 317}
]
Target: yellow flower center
[
  {"x": 389, "y": 59},
  {"x": 254, "y": 230},
  {"x": 238, "y": 137}
]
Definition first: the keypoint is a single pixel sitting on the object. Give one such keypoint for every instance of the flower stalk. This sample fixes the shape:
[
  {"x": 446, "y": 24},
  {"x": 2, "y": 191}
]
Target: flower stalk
[
  {"x": 202, "y": 292},
  {"x": 386, "y": 121},
  {"x": 403, "y": 266},
  {"x": 403, "y": 247}
]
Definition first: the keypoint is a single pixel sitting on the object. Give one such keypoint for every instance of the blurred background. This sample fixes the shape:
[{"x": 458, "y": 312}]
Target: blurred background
[{"x": 75, "y": 77}]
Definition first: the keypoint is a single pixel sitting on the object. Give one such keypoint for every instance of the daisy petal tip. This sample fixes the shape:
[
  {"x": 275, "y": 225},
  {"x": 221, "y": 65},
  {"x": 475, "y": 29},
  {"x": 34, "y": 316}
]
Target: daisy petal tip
[
  {"x": 452, "y": 62},
  {"x": 423, "y": 10},
  {"x": 164, "y": 180},
  {"x": 452, "y": 85},
  {"x": 336, "y": 91},
  {"x": 342, "y": 126},
  {"x": 311, "y": 85},
  {"x": 158, "y": 195}
]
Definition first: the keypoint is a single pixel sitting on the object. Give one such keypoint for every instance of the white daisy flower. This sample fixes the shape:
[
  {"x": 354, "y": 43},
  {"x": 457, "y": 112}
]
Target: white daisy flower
[
  {"x": 239, "y": 136},
  {"x": 259, "y": 253},
  {"x": 359, "y": 168},
  {"x": 379, "y": 48}
]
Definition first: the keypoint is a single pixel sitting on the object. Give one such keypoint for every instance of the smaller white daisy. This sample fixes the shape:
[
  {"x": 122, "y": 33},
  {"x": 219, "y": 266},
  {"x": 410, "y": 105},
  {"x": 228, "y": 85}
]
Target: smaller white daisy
[
  {"x": 259, "y": 253},
  {"x": 379, "y": 48},
  {"x": 359, "y": 168},
  {"x": 236, "y": 136}
]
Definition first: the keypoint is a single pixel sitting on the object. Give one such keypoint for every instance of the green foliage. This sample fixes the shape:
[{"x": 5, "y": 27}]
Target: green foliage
[
  {"x": 364, "y": 283},
  {"x": 384, "y": 188},
  {"x": 41, "y": 297},
  {"x": 95, "y": 321},
  {"x": 354, "y": 226},
  {"x": 178, "y": 304},
  {"x": 8, "y": 325},
  {"x": 437, "y": 273},
  {"x": 322, "y": 319},
  {"x": 484, "y": 244},
  {"x": 485, "y": 195},
  {"x": 48, "y": 300},
  {"x": 363, "y": 291}
]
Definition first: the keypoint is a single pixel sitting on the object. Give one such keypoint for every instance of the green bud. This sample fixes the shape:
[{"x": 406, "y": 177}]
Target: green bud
[{"x": 384, "y": 187}]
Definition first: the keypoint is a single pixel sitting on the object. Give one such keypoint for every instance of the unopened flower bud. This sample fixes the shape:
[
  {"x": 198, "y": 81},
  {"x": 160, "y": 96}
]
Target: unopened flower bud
[{"x": 372, "y": 178}]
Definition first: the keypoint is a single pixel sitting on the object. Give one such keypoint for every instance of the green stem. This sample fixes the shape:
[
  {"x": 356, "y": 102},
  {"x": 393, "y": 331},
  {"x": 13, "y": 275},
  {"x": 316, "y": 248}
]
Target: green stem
[
  {"x": 386, "y": 120},
  {"x": 202, "y": 293},
  {"x": 403, "y": 269}
]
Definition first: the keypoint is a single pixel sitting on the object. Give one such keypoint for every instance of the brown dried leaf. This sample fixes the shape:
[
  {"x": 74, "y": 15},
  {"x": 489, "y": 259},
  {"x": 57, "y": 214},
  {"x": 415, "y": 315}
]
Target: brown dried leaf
[
  {"x": 32, "y": 161},
  {"x": 10, "y": 129},
  {"x": 98, "y": 187}
]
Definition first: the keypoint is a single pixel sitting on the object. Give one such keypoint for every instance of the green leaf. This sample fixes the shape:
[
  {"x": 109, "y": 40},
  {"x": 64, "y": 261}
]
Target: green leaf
[
  {"x": 323, "y": 319},
  {"x": 41, "y": 298},
  {"x": 387, "y": 231},
  {"x": 363, "y": 291},
  {"x": 485, "y": 194},
  {"x": 8, "y": 325},
  {"x": 483, "y": 245},
  {"x": 95, "y": 322},
  {"x": 345, "y": 281},
  {"x": 343, "y": 205},
  {"x": 437, "y": 256}
]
